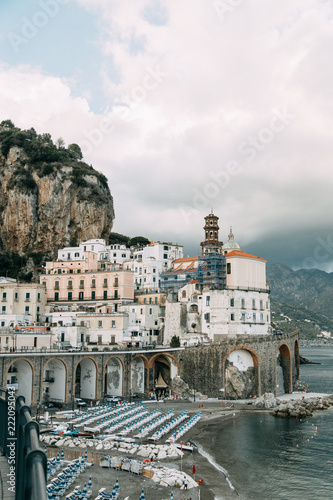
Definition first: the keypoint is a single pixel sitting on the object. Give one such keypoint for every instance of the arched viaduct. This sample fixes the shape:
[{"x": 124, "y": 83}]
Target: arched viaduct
[{"x": 255, "y": 364}]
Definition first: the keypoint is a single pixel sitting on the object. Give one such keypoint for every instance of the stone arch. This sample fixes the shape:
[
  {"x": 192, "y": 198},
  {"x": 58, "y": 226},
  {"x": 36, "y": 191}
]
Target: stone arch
[
  {"x": 85, "y": 378},
  {"x": 163, "y": 367},
  {"x": 283, "y": 370},
  {"x": 53, "y": 387},
  {"x": 297, "y": 359},
  {"x": 241, "y": 373},
  {"x": 138, "y": 368},
  {"x": 20, "y": 375},
  {"x": 113, "y": 383}
]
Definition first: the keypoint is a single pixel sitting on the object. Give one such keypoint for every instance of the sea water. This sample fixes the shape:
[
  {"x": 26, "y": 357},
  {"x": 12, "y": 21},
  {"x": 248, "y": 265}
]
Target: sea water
[{"x": 268, "y": 458}]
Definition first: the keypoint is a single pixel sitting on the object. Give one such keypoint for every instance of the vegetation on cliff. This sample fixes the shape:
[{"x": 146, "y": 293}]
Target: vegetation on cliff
[{"x": 49, "y": 198}]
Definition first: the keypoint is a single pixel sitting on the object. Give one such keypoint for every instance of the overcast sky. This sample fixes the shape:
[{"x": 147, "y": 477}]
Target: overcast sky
[{"x": 188, "y": 105}]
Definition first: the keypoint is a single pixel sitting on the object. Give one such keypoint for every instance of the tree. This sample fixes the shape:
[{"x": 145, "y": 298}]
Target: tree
[
  {"x": 60, "y": 143},
  {"x": 139, "y": 240},
  {"x": 76, "y": 151},
  {"x": 175, "y": 342},
  {"x": 7, "y": 124},
  {"x": 118, "y": 239}
]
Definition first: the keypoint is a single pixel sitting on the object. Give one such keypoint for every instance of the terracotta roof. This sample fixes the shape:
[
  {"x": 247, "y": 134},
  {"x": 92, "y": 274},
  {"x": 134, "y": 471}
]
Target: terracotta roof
[
  {"x": 186, "y": 259},
  {"x": 239, "y": 253},
  {"x": 194, "y": 281}
]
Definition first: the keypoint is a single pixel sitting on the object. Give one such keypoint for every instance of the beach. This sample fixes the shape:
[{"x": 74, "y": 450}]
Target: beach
[
  {"x": 214, "y": 484},
  {"x": 213, "y": 477}
]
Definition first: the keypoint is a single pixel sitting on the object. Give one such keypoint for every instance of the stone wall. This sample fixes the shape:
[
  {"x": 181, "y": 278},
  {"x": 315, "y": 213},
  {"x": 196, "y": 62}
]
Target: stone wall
[{"x": 202, "y": 367}]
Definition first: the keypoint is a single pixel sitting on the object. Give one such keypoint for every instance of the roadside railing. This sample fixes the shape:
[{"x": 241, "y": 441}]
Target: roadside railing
[{"x": 19, "y": 442}]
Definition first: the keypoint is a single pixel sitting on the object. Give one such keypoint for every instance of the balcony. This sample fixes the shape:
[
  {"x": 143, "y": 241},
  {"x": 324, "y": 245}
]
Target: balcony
[{"x": 49, "y": 379}]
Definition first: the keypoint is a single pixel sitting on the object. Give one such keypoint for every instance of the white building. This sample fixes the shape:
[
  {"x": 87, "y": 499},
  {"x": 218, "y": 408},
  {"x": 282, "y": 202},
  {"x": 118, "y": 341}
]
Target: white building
[
  {"x": 209, "y": 311},
  {"x": 151, "y": 260},
  {"x": 111, "y": 253},
  {"x": 21, "y": 303}
]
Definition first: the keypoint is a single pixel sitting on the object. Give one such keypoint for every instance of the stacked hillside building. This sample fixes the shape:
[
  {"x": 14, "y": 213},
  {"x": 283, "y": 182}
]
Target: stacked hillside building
[{"x": 98, "y": 295}]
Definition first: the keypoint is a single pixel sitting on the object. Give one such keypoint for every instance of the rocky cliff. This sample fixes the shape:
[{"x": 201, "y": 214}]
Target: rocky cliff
[{"x": 49, "y": 198}]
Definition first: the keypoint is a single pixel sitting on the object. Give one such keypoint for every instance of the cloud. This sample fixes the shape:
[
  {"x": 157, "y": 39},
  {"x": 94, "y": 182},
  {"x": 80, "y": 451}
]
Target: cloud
[{"x": 187, "y": 93}]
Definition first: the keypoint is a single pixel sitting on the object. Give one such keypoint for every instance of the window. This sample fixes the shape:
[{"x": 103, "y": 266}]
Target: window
[
  {"x": 145, "y": 271},
  {"x": 207, "y": 317},
  {"x": 165, "y": 248},
  {"x": 76, "y": 254},
  {"x": 253, "y": 303},
  {"x": 150, "y": 300},
  {"x": 232, "y": 302},
  {"x": 105, "y": 283},
  {"x": 105, "y": 294},
  {"x": 267, "y": 305},
  {"x": 165, "y": 256},
  {"x": 144, "y": 280},
  {"x": 232, "y": 317},
  {"x": 16, "y": 296},
  {"x": 208, "y": 300},
  {"x": 156, "y": 300},
  {"x": 116, "y": 294},
  {"x": 261, "y": 317},
  {"x": 4, "y": 295},
  {"x": 81, "y": 295},
  {"x": 150, "y": 311},
  {"x": 99, "y": 339},
  {"x": 79, "y": 270},
  {"x": 154, "y": 270},
  {"x": 116, "y": 283},
  {"x": 70, "y": 285},
  {"x": 145, "y": 300},
  {"x": 93, "y": 295},
  {"x": 123, "y": 255},
  {"x": 243, "y": 303},
  {"x": 68, "y": 256},
  {"x": 70, "y": 296},
  {"x": 254, "y": 317},
  {"x": 100, "y": 324},
  {"x": 59, "y": 271},
  {"x": 38, "y": 297},
  {"x": 228, "y": 268},
  {"x": 261, "y": 304},
  {"x": 2, "y": 324},
  {"x": 113, "y": 339},
  {"x": 116, "y": 308},
  {"x": 243, "y": 317},
  {"x": 3, "y": 309},
  {"x": 56, "y": 285},
  {"x": 154, "y": 279},
  {"x": 141, "y": 311},
  {"x": 93, "y": 283},
  {"x": 81, "y": 284},
  {"x": 113, "y": 324},
  {"x": 56, "y": 296}
]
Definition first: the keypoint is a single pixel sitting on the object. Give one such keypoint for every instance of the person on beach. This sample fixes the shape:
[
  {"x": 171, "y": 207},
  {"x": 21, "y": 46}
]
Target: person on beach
[{"x": 185, "y": 483}]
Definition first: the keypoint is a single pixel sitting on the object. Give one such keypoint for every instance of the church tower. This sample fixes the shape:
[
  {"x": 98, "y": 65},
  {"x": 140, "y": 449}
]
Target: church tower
[{"x": 211, "y": 243}]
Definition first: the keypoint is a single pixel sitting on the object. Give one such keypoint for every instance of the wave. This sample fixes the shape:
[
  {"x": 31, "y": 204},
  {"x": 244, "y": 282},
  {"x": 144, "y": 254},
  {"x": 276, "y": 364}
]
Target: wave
[{"x": 216, "y": 465}]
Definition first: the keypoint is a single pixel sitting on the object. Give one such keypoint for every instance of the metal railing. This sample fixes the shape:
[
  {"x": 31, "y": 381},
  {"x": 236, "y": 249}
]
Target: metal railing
[{"x": 29, "y": 460}]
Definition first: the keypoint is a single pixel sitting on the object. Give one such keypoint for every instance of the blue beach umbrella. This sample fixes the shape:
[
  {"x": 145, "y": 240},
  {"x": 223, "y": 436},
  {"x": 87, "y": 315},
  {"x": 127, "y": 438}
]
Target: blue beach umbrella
[
  {"x": 171, "y": 497},
  {"x": 142, "y": 496},
  {"x": 62, "y": 456},
  {"x": 90, "y": 483},
  {"x": 85, "y": 490}
]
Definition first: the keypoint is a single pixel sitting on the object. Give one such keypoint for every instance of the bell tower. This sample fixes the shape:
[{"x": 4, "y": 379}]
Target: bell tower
[{"x": 211, "y": 243}]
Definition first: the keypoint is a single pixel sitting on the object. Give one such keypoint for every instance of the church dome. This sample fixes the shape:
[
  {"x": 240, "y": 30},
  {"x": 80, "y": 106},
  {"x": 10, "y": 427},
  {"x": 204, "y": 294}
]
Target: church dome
[{"x": 231, "y": 244}]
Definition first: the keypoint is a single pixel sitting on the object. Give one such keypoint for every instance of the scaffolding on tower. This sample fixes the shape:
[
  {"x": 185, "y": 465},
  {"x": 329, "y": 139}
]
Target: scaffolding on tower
[{"x": 212, "y": 271}]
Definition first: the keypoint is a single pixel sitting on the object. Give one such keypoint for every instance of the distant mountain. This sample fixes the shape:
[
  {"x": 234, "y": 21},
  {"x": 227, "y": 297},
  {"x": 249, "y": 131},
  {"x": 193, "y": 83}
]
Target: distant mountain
[{"x": 308, "y": 289}]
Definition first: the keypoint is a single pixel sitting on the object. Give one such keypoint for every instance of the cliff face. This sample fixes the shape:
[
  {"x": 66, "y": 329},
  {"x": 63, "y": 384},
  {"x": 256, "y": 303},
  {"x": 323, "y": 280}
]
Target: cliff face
[{"x": 48, "y": 206}]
